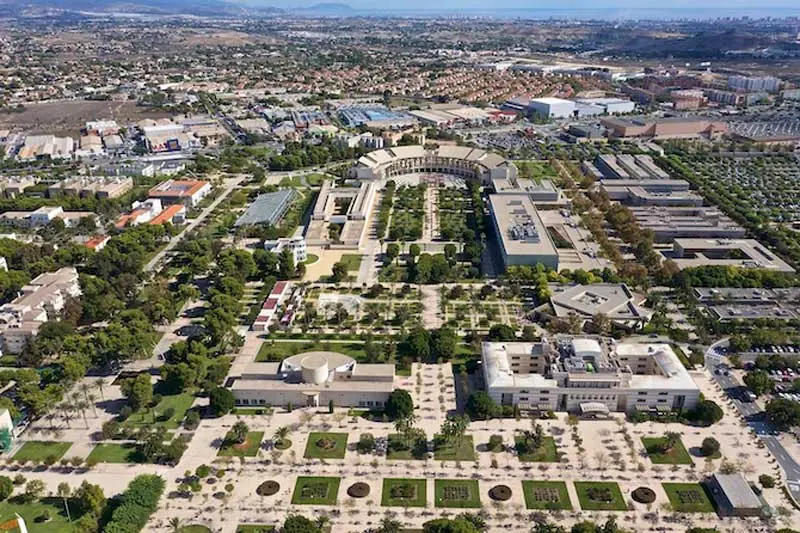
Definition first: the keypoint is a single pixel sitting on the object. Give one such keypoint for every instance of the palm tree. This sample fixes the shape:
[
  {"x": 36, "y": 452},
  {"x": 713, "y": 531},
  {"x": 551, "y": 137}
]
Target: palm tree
[
  {"x": 92, "y": 401},
  {"x": 85, "y": 388},
  {"x": 66, "y": 413},
  {"x": 82, "y": 406},
  {"x": 175, "y": 524},
  {"x": 51, "y": 416},
  {"x": 64, "y": 492},
  {"x": 322, "y": 521},
  {"x": 100, "y": 383},
  {"x": 280, "y": 434}
]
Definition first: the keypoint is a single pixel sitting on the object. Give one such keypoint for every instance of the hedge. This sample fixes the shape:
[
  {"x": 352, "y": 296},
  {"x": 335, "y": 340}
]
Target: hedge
[{"x": 137, "y": 503}]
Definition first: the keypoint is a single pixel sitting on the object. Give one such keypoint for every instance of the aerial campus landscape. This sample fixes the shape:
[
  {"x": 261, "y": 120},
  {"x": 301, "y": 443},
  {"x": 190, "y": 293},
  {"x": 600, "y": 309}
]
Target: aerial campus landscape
[{"x": 407, "y": 268}]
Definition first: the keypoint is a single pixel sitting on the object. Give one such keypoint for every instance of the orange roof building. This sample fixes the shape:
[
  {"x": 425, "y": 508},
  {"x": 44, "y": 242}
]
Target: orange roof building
[
  {"x": 174, "y": 214},
  {"x": 186, "y": 192}
]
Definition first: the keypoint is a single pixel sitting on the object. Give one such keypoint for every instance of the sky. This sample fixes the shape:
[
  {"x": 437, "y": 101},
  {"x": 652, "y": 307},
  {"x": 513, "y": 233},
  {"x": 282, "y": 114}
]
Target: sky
[{"x": 705, "y": 5}]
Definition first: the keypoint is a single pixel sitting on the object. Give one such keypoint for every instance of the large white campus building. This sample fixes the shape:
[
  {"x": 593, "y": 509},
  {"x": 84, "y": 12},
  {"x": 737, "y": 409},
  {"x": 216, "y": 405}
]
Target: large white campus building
[
  {"x": 314, "y": 379},
  {"x": 586, "y": 375}
]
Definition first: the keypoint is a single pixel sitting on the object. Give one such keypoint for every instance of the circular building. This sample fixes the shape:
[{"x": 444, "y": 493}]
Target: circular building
[{"x": 461, "y": 161}]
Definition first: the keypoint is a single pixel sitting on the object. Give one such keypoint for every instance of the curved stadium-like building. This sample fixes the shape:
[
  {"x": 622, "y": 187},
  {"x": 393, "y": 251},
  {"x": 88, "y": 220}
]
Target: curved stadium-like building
[{"x": 461, "y": 161}]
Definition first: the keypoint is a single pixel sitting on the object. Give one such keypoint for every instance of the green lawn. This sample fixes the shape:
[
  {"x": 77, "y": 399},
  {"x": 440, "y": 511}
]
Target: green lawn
[
  {"x": 676, "y": 456},
  {"x": 404, "y": 492},
  {"x": 688, "y": 497},
  {"x": 396, "y": 449},
  {"x": 311, "y": 259},
  {"x": 194, "y": 529},
  {"x": 351, "y": 261},
  {"x": 316, "y": 491},
  {"x": 458, "y": 493},
  {"x": 113, "y": 453},
  {"x": 252, "y": 411},
  {"x": 550, "y": 495},
  {"x": 40, "y": 450},
  {"x": 254, "y": 528},
  {"x": 249, "y": 448},
  {"x": 606, "y": 497},
  {"x": 326, "y": 446},
  {"x": 444, "y": 451},
  {"x": 281, "y": 350},
  {"x": 30, "y": 511},
  {"x": 546, "y": 453},
  {"x": 179, "y": 402}
]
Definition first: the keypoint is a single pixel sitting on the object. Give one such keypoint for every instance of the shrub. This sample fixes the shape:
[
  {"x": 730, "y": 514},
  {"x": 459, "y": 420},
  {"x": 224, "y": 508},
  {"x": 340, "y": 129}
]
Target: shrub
[
  {"x": 709, "y": 447},
  {"x": 495, "y": 443},
  {"x": 136, "y": 505},
  {"x": 366, "y": 443},
  {"x": 766, "y": 481},
  {"x": 6, "y": 487},
  {"x": 192, "y": 420},
  {"x": 125, "y": 413}
]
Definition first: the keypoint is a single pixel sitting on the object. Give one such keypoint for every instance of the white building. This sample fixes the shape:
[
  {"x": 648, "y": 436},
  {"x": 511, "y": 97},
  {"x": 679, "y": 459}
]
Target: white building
[
  {"x": 39, "y": 301},
  {"x": 581, "y": 375},
  {"x": 523, "y": 237},
  {"x": 756, "y": 83},
  {"x": 314, "y": 379},
  {"x": 297, "y": 245},
  {"x": 552, "y": 107}
]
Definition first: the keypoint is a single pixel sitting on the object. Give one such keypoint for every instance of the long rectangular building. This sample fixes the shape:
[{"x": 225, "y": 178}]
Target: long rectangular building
[
  {"x": 587, "y": 375},
  {"x": 522, "y": 236},
  {"x": 743, "y": 253},
  {"x": 669, "y": 223}
]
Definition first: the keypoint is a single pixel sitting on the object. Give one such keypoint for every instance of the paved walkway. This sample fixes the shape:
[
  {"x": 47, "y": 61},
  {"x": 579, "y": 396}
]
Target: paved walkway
[{"x": 432, "y": 304}]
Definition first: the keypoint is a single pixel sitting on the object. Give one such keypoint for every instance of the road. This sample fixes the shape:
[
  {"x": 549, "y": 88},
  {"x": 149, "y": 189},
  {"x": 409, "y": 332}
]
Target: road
[
  {"x": 755, "y": 418},
  {"x": 230, "y": 184}
]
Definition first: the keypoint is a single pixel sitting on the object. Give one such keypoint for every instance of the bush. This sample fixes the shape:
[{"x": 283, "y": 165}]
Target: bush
[
  {"x": 125, "y": 413},
  {"x": 766, "y": 481},
  {"x": 202, "y": 471},
  {"x": 136, "y": 505},
  {"x": 709, "y": 447},
  {"x": 495, "y": 443},
  {"x": 6, "y": 487},
  {"x": 366, "y": 443},
  {"x": 192, "y": 420}
]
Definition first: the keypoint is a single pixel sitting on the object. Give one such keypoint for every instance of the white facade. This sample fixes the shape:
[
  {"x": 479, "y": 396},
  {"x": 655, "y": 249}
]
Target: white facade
[
  {"x": 572, "y": 374},
  {"x": 552, "y": 107},
  {"x": 39, "y": 301},
  {"x": 297, "y": 245}
]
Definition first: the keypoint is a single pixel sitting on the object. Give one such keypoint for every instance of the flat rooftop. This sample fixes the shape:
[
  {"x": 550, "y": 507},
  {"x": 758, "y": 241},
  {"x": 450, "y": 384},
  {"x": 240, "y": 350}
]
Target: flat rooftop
[
  {"x": 521, "y": 229},
  {"x": 744, "y": 253}
]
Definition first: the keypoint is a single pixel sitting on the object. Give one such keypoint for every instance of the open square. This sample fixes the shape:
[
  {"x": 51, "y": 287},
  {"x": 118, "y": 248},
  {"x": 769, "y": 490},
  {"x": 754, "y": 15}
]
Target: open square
[
  {"x": 546, "y": 453},
  {"x": 404, "y": 492},
  {"x": 549, "y": 495},
  {"x": 316, "y": 491},
  {"x": 457, "y": 493},
  {"x": 248, "y": 448},
  {"x": 677, "y": 455},
  {"x": 688, "y": 497},
  {"x": 600, "y": 496},
  {"x": 326, "y": 446}
]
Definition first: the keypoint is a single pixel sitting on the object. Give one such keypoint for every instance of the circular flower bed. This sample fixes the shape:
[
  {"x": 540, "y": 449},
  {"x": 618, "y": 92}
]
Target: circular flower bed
[
  {"x": 283, "y": 444},
  {"x": 268, "y": 488},
  {"x": 643, "y": 495},
  {"x": 326, "y": 444},
  {"x": 500, "y": 493},
  {"x": 358, "y": 490}
]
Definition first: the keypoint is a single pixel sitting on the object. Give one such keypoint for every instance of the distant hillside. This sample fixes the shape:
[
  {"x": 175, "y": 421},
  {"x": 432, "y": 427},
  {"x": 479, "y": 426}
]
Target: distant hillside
[
  {"x": 16, "y": 8},
  {"x": 331, "y": 8},
  {"x": 703, "y": 44}
]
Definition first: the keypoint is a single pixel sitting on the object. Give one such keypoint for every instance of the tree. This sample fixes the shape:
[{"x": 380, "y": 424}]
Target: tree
[
  {"x": 444, "y": 342},
  {"x": 392, "y": 251},
  {"x": 766, "y": 481},
  {"x": 502, "y": 333},
  {"x": 221, "y": 401},
  {"x": 299, "y": 524},
  {"x": 388, "y": 525},
  {"x": 33, "y": 490},
  {"x": 64, "y": 492},
  {"x": 709, "y": 447},
  {"x": 89, "y": 499},
  {"x": 419, "y": 343},
  {"x": 706, "y": 412},
  {"x": 414, "y": 250},
  {"x": 338, "y": 272},
  {"x": 758, "y": 382},
  {"x": 286, "y": 266},
  {"x": 366, "y": 443},
  {"x": 454, "y": 428},
  {"x": 446, "y": 525},
  {"x": 138, "y": 391},
  {"x": 782, "y": 413},
  {"x": 281, "y": 435},
  {"x": 671, "y": 439},
  {"x": 399, "y": 404},
  {"x": 481, "y": 406},
  {"x": 6, "y": 487},
  {"x": 238, "y": 433}
]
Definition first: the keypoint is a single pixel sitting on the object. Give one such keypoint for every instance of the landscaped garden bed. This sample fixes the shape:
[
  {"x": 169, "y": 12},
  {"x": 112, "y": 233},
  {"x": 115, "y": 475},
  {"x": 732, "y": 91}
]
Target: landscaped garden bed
[{"x": 550, "y": 495}]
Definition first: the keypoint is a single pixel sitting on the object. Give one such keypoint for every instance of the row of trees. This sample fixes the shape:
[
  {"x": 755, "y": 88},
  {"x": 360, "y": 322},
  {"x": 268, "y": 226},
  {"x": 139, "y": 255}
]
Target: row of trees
[{"x": 136, "y": 505}]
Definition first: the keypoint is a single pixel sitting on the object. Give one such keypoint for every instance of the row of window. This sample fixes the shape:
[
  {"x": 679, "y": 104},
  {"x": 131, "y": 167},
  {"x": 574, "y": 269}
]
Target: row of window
[
  {"x": 599, "y": 397},
  {"x": 245, "y": 401}
]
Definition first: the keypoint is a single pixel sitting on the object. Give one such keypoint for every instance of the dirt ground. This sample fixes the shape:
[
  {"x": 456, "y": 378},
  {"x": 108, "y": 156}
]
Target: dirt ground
[
  {"x": 67, "y": 118},
  {"x": 324, "y": 266}
]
